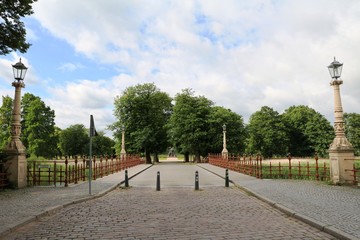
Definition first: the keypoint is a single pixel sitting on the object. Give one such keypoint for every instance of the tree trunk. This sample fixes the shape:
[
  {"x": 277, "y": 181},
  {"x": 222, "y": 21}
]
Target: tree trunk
[
  {"x": 148, "y": 157},
  {"x": 186, "y": 156},
  {"x": 197, "y": 157},
  {"x": 156, "y": 157}
]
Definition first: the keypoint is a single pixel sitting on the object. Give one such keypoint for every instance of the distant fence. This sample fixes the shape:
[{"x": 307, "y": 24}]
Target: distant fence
[
  {"x": 65, "y": 172},
  {"x": 257, "y": 167}
]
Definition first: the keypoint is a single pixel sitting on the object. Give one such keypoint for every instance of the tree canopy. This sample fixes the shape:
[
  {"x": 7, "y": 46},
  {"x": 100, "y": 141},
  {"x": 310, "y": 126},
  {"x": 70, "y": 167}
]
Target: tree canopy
[
  {"x": 13, "y": 32},
  {"x": 235, "y": 131},
  {"x": 38, "y": 127},
  {"x": 5, "y": 121},
  {"x": 352, "y": 130},
  {"x": 267, "y": 133},
  {"x": 73, "y": 140},
  {"x": 143, "y": 110},
  {"x": 309, "y": 131},
  {"x": 188, "y": 128}
]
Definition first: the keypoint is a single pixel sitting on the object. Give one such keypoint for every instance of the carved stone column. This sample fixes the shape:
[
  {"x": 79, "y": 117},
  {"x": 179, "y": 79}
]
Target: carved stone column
[
  {"x": 341, "y": 152},
  {"x": 224, "y": 152},
  {"x": 17, "y": 165}
]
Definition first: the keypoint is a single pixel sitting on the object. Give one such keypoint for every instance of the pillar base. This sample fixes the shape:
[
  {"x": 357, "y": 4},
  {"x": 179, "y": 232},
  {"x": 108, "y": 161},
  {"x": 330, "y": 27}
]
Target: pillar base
[
  {"x": 225, "y": 153},
  {"x": 341, "y": 161},
  {"x": 17, "y": 168}
]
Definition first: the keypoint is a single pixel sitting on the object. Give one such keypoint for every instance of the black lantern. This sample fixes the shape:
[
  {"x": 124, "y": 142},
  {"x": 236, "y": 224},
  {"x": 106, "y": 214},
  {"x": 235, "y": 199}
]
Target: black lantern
[
  {"x": 19, "y": 70},
  {"x": 335, "y": 69}
]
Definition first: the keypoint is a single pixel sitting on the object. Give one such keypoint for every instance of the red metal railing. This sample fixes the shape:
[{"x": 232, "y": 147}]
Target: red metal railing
[
  {"x": 257, "y": 167},
  {"x": 70, "y": 171},
  {"x": 355, "y": 172}
]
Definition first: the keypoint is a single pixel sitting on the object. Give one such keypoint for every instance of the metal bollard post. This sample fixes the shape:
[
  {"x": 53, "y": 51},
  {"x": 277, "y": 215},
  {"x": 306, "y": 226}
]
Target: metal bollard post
[
  {"x": 227, "y": 178},
  {"x": 158, "y": 181},
  {"x": 196, "y": 180},
  {"x": 126, "y": 179}
]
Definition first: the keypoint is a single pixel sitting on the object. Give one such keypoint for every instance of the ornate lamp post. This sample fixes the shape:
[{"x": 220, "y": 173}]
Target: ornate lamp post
[
  {"x": 341, "y": 151},
  {"x": 123, "y": 152},
  {"x": 224, "y": 152},
  {"x": 15, "y": 148}
]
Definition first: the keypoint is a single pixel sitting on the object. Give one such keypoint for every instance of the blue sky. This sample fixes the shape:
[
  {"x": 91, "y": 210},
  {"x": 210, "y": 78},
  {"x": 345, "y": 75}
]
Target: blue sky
[{"x": 240, "y": 54}]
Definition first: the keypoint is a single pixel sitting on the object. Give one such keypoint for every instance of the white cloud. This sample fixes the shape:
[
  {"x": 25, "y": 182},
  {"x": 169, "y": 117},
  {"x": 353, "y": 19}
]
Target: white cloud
[
  {"x": 70, "y": 67},
  {"x": 240, "y": 54}
]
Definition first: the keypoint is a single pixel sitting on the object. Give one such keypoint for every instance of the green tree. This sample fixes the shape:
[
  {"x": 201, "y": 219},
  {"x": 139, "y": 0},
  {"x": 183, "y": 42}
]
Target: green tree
[
  {"x": 74, "y": 140},
  {"x": 308, "y": 130},
  {"x": 235, "y": 131},
  {"x": 143, "y": 110},
  {"x": 13, "y": 32},
  {"x": 267, "y": 133},
  {"x": 188, "y": 125},
  {"x": 352, "y": 130},
  {"x": 102, "y": 145},
  {"x": 320, "y": 134},
  {"x": 5, "y": 121},
  {"x": 38, "y": 127}
]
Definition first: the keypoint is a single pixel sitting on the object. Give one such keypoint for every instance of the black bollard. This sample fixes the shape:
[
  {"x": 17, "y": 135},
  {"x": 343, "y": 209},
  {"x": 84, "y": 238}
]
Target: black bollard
[
  {"x": 227, "y": 178},
  {"x": 196, "y": 180},
  {"x": 158, "y": 181},
  {"x": 126, "y": 179}
]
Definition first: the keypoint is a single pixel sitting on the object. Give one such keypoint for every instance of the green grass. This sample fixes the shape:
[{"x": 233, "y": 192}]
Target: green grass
[{"x": 305, "y": 173}]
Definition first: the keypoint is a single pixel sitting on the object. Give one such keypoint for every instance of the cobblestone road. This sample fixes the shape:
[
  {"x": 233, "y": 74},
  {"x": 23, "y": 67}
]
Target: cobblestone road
[
  {"x": 143, "y": 213},
  {"x": 335, "y": 207}
]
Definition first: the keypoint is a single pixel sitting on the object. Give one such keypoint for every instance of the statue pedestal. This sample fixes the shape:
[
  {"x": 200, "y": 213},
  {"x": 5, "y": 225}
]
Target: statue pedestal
[
  {"x": 17, "y": 168},
  {"x": 341, "y": 154}
]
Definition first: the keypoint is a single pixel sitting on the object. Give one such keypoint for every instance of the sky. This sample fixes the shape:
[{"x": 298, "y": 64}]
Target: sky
[{"x": 241, "y": 54}]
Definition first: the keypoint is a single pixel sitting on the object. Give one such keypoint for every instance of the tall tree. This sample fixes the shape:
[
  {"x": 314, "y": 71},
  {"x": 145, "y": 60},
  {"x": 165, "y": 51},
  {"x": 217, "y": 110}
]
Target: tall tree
[
  {"x": 267, "y": 133},
  {"x": 188, "y": 126},
  {"x": 13, "y": 32},
  {"x": 38, "y": 127},
  {"x": 320, "y": 134},
  {"x": 5, "y": 121},
  {"x": 235, "y": 131},
  {"x": 102, "y": 145},
  {"x": 308, "y": 130},
  {"x": 143, "y": 110},
  {"x": 74, "y": 140},
  {"x": 352, "y": 130}
]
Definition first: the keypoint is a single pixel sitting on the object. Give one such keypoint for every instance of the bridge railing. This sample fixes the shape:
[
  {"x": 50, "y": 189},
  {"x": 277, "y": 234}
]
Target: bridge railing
[
  {"x": 286, "y": 169},
  {"x": 71, "y": 171}
]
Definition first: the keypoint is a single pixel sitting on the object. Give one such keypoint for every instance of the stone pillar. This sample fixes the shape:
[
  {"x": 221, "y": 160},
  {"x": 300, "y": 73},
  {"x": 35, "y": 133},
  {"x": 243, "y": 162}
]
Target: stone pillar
[
  {"x": 123, "y": 152},
  {"x": 341, "y": 152},
  {"x": 224, "y": 152},
  {"x": 16, "y": 164}
]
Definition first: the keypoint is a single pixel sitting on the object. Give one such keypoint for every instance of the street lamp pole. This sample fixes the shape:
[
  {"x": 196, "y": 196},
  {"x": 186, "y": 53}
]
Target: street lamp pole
[
  {"x": 224, "y": 152},
  {"x": 341, "y": 152},
  {"x": 17, "y": 165}
]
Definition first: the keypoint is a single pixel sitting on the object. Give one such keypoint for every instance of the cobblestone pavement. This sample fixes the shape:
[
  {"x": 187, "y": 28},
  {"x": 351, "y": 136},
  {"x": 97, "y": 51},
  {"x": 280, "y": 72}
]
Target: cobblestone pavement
[
  {"x": 336, "y": 208},
  {"x": 24, "y": 205},
  {"x": 172, "y": 213},
  {"x": 331, "y": 208}
]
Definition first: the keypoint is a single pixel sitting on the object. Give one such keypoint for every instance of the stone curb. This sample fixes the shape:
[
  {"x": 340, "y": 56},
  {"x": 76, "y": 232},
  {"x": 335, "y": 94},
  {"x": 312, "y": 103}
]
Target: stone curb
[
  {"x": 54, "y": 209},
  {"x": 310, "y": 221}
]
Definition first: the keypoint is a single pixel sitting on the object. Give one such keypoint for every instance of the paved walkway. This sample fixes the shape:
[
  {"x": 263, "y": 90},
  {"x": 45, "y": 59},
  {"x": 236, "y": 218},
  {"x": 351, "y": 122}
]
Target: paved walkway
[
  {"x": 331, "y": 208},
  {"x": 25, "y": 205}
]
